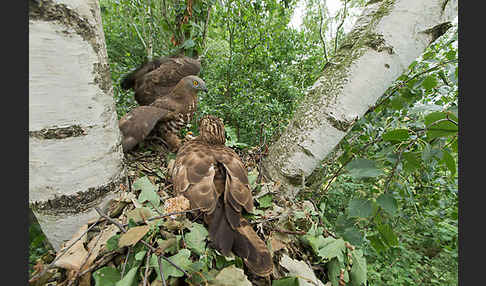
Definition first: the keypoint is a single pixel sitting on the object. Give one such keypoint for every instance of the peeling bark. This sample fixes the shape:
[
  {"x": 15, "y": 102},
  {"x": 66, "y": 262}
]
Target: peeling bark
[
  {"x": 75, "y": 153},
  {"x": 386, "y": 39}
]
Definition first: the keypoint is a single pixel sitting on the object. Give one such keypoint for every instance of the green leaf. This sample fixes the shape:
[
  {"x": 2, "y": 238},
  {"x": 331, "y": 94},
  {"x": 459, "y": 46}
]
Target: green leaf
[
  {"x": 130, "y": 277},
  {"x": 377, "y": 243},
  {"x": 353, "y": 236},
  {"x": 140, "y": 255},
  {"x": 411, "y": 161},
  {"x": 429, "y": 82},
  {"x": 363, "y": 168},
  {"x": 388, "y": 203},
  {"x": 112, "y": 243},
  {"x": 428, "y": 153},
  {"x": 195, "y": 239},
  {"x": 149, "y": 191},
  {"x": 286, "y": 281},
  {"x": 334, "y": 248},
  {"x": 449, "y": 161},
  {"x": 106, "y": 276},
  {"x": 438, "y": 125},
  {"x": 387, "y": 234},
  {"x": 397, "y": 135},
  {"x": 360, "y": 207},
  {"x": 265, "y": 201},
  {"x": 315, "y": 242},
  {"x": 181, "y": 259},
  {"x": 358, "y": 270},
  {"x": 334, "y": 271}
]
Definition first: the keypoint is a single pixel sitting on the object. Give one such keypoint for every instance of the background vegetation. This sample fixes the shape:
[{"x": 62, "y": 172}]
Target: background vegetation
[{"x": 390, "y": 187}]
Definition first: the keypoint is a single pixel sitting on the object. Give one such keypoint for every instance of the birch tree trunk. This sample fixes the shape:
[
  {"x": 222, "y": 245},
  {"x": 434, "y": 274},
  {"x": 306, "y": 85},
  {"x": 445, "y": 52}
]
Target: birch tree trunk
[
  {"x": 75, "y": 155},
  {"x": 386, "y": 39}
]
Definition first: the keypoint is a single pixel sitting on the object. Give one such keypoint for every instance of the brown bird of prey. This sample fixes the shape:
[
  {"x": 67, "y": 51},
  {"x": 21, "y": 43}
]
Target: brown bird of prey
[
  {"x": 159, "y": 77},
  {"x": 213, "y": 178},
  {"x": 167, "y": 114}
]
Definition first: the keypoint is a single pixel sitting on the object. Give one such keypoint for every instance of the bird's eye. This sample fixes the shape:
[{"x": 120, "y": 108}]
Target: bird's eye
[{"x": 195, "y": 83}]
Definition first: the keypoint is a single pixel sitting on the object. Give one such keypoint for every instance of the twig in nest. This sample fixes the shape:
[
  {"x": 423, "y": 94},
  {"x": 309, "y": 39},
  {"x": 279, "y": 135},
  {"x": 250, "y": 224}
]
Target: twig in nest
[
  {"x": 159, "y": 258},
  {"x": 168, "y": 214},
  {"x": 266, "y": 219},
  {"x": 102, "y": 261},
  {"x": 85, "y": 260},
  {"x": 153, "y": 249},
  {"x": 60, "y": 255},
  {"x": 290, "y": 231},
  {"x": 125, "y": 263},
  {"x": 147, "y": 267}
]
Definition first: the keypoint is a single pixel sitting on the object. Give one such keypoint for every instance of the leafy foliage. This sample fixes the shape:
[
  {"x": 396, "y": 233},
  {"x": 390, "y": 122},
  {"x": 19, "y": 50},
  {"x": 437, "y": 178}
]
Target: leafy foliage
[{"x": 388, "y": 193}]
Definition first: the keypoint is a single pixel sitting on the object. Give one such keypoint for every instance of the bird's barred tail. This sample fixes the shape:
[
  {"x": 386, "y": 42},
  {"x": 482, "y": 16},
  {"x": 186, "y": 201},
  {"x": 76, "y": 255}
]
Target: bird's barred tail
[{"x": 243, "y": 241}]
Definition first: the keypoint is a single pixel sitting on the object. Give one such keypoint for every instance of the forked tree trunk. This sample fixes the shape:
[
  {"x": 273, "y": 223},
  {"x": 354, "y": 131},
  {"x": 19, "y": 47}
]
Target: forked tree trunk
[
  {"x": 386, "y": 39},
  {"x": 75, "y": 155}
]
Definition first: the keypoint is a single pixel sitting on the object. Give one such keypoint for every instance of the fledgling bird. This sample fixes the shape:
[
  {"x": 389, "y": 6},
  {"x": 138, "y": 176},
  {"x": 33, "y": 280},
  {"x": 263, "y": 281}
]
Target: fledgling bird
[
  {"x": 213, "y": 178},
  {"x": 159, "y": 77},
  {"x": 167, "y": 114}
]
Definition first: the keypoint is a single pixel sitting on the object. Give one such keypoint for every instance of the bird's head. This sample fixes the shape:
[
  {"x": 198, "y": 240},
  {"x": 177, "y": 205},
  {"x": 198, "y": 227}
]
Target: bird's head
[
  {"x": 193, "y": 82},
  {"x": 211, "y": 130}
]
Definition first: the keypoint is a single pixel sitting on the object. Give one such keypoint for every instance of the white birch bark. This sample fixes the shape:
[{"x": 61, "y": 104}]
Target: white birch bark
[
  {"x": 386, "y": 39},
  {"x": 75, "y": 156}
]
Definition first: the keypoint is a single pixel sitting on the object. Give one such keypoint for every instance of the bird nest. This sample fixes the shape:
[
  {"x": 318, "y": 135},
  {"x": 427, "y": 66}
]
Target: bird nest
[{"x": 150, "y": 237}]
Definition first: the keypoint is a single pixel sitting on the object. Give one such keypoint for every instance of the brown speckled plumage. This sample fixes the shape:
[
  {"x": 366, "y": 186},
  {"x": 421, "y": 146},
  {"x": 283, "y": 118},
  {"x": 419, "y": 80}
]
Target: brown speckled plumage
[
  {"x": 167, "y": 114},
  {"x": 159, "y": 77},
  {"x": 213, "y": 178}
]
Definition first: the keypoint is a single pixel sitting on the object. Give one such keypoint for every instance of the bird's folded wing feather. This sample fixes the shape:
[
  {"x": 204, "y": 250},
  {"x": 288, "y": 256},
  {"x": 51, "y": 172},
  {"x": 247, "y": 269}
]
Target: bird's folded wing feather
[
  {"x": 193, "y": 176},
  {"x": 138, "y": 123}
]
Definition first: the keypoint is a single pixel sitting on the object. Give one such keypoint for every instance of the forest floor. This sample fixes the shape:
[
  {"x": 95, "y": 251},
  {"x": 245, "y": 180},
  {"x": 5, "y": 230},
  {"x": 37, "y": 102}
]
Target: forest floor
[{"x": 102, "y": 255}]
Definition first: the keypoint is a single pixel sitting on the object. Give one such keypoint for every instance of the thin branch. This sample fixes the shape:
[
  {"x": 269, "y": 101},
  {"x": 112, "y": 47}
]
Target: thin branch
[
  {"x": 110, "y": 219},
  {"x": 85, "y": 260},
  {"x": 125, "y": 263},
  {"x": 147, "y": 267},
  {"x": 104, "y": 260},
  {"x": 339, "y": 27},
  {"x": 159, "y": 259},
  {"x": 140, "y": 36},
  {"x": 347, "y": 161},
  {"x": 153, "y": 249},
  {"x": 392, "y": 174},
  {"x": 402, "y": 84},
  {"x": 206, "y": 25},
  {"x": 62, "y": 253},
  {"x": 168, "y": 214},
  {"x": 320, "y": 31}
]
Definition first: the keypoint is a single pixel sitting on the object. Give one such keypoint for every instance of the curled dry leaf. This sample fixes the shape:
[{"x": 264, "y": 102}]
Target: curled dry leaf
[
  {"x": 300, "y": 269},
  {"x": 133, "y": 235},
  {"x": 76, "y": 255}
]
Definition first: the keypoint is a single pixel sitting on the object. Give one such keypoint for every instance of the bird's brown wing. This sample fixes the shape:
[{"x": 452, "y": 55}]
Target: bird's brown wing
[
  {"x": 138, "y": 123},
  {"x": 161, "y": 81},
  {"x": 128, "y": 81},
  {"x": 193, "y": 175},
  {"x": 237, "y": 189}
]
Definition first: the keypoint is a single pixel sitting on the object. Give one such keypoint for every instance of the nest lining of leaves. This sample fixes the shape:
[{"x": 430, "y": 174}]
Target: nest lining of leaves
[{"x": 105, "y": 255}]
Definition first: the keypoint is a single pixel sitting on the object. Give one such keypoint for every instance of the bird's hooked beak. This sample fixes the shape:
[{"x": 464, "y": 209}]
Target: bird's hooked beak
[{"x": 204, "y": 88}]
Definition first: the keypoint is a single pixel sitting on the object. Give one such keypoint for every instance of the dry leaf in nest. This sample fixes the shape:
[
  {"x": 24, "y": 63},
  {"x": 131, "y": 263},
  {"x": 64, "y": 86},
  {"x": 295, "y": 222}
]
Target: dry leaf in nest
[
  {"x": 276, "y": 244},
  {"x": 133, "y": 235},
  {"x": 139, "y": 214},
  {"x": 177, "y": 204},
  {"x": 76, "y": 255},
  {"x": 301, "y": 270}
]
